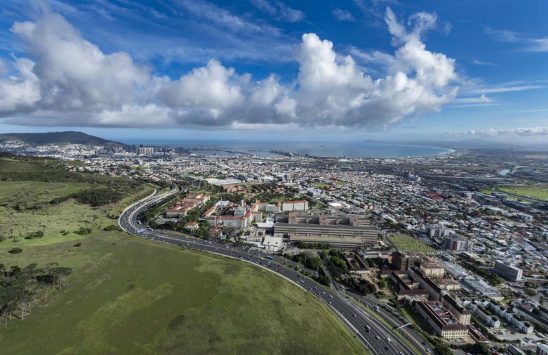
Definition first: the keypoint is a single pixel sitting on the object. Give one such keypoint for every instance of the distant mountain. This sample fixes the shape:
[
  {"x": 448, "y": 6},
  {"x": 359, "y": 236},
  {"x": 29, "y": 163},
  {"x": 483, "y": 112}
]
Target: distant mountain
[{"x": 66, "y": 137}]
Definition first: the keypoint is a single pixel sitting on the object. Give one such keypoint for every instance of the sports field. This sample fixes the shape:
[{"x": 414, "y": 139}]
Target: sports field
[
  {"x": 409, "y": 244},
  {"x": 538, "y": 192}
]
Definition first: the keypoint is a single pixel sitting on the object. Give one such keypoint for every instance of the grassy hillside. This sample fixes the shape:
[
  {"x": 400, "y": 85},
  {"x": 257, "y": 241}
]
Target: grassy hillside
[{"x": 129, "y": 296}]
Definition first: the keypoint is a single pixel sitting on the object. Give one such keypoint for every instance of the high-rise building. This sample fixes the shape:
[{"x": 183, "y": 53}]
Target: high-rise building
[
  {"x": 146, "y": 150},
  {"x": 509, "y": 272},
  {"x": 458, "y": 244}
]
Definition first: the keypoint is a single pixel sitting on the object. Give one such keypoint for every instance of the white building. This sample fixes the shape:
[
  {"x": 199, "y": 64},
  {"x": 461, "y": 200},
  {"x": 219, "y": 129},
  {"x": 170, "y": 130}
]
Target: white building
[
  {"x": 273, "y": 243},
  {"x": 146, "y": 150},
  {"x": 509, "y": 272},
  {"x": 290, "y": 206}
]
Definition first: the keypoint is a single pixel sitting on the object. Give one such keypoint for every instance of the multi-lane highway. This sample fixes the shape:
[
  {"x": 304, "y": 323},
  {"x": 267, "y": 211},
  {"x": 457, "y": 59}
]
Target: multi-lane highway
[{"x": 376, "y": 338}]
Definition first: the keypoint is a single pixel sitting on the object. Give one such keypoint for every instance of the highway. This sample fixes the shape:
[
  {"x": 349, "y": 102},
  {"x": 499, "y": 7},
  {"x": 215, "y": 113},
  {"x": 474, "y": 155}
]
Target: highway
[{"x": 376, "y": 338}]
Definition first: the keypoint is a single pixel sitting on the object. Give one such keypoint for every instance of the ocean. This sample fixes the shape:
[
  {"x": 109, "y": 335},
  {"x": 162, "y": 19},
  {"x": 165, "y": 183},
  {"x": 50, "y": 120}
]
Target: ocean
[{"x": 347, "y": 149}]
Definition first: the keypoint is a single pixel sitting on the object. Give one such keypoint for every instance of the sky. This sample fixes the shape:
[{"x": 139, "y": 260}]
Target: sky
[{"x": 278, "y": 70}]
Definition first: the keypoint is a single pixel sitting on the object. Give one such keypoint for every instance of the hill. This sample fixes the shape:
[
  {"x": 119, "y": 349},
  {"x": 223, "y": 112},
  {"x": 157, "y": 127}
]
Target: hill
[{"x": 65, "y": 137}]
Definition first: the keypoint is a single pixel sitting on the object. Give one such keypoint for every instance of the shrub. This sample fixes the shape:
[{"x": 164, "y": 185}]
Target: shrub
[
  {"x": 15, "y": 250},
  {"x": 83, "y": 231},
  {"x": 111, "y": 227},
  {"x": 38, "y": 234}
]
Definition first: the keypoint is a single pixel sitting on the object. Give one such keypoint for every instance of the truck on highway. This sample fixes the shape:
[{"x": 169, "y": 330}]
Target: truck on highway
[{"x": 269, "y": 257}]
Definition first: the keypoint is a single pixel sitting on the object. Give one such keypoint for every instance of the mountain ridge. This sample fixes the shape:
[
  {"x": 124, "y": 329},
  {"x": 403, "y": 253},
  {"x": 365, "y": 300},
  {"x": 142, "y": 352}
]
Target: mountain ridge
[{"x": 61, "y": 137}]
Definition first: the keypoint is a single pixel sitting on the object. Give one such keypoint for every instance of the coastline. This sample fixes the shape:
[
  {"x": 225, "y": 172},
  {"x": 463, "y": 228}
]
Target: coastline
[{"x": 355, "y": 150}]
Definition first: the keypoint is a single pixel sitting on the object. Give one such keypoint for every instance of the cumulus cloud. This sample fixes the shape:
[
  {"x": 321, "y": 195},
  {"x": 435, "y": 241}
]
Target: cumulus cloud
[
  {"x": 19, "y": 92},
  {"x": 72, "y": 73},
  {"x": 76, "y": 83}
]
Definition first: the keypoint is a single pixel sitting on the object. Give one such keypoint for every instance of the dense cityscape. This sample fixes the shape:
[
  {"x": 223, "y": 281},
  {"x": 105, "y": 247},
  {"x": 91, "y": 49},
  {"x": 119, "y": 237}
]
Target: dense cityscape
[{"x": 452, "y": 246}]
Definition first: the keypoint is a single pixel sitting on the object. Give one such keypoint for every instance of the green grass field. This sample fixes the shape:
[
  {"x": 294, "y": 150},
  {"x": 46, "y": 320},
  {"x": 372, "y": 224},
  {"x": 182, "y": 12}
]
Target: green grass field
[
  {"x": 129, "y": 296},
  {"x": 538, "y": 192},
  {"x": 320, "y": 185},
  {"x": 409, "y": 244}
]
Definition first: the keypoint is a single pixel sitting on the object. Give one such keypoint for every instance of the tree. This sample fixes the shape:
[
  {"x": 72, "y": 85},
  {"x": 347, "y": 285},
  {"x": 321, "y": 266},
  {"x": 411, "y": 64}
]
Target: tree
[
  {"x": 382, "y": 283},
  {"x": 367, "y": 287}
]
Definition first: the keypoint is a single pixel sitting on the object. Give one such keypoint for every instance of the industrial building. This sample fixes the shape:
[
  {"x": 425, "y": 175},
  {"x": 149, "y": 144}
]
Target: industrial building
[
  {"x": 479, "y": 286},
  {"x": 342, "y": 230}
]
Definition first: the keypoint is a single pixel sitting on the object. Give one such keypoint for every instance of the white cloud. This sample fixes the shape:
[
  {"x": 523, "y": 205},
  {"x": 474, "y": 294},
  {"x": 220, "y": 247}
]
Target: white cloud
[
  {"x": 343, "y": 15},
  {"x": 528, "y": 43},
  {"x": 279, "y": 10},
  {"x": 19, "y": 92},
  {"x": 73, "y": 73},
  {"x": 76, "y": 83},
  {"x": 521, "y": 132},
  {"x": 211, "y": 86},
  {"x": 508, "y": 88},
  {"x": 482, "y": 99},
  {"x": 222, "y": 17},
  {"x": 482, "y": 63}
]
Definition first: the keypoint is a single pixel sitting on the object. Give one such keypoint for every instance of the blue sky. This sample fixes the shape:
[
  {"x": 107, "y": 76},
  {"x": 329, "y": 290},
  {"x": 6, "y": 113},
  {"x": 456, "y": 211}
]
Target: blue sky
[{"x": 326, "y": 70}]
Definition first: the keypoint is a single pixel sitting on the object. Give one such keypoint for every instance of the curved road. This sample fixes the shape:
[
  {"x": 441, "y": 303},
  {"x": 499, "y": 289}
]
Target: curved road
[{"x": 376, "y": 338}]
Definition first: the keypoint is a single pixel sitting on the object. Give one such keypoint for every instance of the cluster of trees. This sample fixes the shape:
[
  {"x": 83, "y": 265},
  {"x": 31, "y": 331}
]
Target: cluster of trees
[
  {"x": 363, "y": 286},
  {"x": 323, "y": 278},
  {"x": 375, "y": 262},
  {"x": 335, "y": 262},
  {"x": 20, "y": 287},
  {"x": 98, "y": 197},
  {"x": 309, "y": 260},
  {"x": 202, "y": 231}
]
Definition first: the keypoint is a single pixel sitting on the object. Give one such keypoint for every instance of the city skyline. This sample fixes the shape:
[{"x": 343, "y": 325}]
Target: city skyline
[{"x": 353, "y": 70}]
